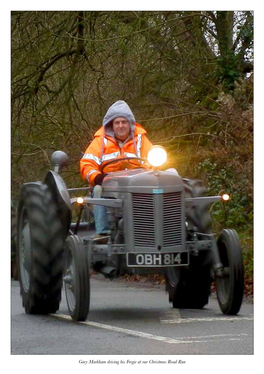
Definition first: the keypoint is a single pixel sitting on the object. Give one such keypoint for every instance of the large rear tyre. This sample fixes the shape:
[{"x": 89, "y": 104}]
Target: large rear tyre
[
  {"x": 230, "y": 286},
  {"x": 191, "y": 287},
  {"x": 39, "y": 250},
  {"x": 14, "y": 263},
  {"x": 77, "y": 278}
]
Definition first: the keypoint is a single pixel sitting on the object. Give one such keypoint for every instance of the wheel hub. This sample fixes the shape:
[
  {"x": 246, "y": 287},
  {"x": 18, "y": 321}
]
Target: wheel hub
[
  {"x": 68, "y": 279},
  {"x": 70, "y": 287}
]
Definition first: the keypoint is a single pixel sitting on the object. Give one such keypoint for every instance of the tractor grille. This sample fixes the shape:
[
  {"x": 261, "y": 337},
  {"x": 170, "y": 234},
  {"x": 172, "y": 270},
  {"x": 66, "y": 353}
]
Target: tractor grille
[
  {"x": 143, "y": 217},
  {"x": 169, "y": 217},
  {"x": 172, "y": 219}
]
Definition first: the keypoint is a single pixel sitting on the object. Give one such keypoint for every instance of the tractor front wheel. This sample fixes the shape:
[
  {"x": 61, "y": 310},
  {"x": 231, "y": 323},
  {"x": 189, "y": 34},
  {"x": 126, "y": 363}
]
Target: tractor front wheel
[
  {"x": 77, "y": 279},
  {"x": 230, "y": 283}
]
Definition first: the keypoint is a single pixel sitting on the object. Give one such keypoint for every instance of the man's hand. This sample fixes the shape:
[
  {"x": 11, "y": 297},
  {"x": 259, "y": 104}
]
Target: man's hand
[{"x": 99, "y": 179}]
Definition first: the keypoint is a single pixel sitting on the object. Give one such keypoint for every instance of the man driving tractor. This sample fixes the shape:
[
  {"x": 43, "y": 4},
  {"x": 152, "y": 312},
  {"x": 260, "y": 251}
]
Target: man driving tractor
[{"x": 119, "y": 137}]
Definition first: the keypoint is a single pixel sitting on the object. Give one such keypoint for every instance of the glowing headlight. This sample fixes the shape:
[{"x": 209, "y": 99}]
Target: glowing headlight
[
  {"x": 225, "y": 197},
  {"x": 157, "y": 156},
  {"x": 80, "y": 200}
]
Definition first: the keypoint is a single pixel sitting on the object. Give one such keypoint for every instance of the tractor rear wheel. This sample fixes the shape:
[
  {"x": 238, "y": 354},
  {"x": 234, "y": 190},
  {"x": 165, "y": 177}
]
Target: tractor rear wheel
[
  {"x": 14, "y": 265},
  {"x": 198, "y": 216},
  {"x": 191, "y": 287},
  {"x": 40, "y": 242}
]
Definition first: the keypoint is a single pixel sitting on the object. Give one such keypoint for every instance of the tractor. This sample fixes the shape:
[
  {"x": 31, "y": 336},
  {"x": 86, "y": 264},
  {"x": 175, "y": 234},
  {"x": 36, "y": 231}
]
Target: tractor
[{"x": 159, "y": 224}]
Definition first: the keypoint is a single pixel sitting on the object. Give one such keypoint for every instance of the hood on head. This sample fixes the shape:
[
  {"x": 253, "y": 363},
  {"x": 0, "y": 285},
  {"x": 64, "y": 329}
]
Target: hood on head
[{"x": 119, "y": 109}]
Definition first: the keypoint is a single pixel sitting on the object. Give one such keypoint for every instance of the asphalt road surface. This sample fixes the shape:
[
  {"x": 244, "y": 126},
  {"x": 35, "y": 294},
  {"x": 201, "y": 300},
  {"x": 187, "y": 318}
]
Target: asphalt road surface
[{"x": 131, "y": 319}]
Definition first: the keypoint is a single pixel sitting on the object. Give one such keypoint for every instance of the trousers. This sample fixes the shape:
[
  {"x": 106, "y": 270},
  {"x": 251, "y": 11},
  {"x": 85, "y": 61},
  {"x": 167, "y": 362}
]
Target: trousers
[{"x": 100, "y": 213}]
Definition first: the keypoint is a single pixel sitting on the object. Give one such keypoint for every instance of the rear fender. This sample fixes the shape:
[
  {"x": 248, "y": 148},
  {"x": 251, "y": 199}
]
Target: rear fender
[{"x": 60, "y": 192}]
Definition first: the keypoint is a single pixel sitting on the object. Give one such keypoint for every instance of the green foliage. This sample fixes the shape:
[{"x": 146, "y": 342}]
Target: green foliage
[
  {"x": 228, "y": 71},
  {"x": 182, "y": 73},
  {"x": 246, "y": 239},
  {"x": 249, "y": 263},
  {"x": 238, "y": 211}
]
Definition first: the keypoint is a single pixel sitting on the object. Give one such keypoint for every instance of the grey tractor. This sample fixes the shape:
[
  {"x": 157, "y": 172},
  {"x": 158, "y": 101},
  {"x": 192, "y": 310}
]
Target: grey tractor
[{"x": 159, "y": 224}]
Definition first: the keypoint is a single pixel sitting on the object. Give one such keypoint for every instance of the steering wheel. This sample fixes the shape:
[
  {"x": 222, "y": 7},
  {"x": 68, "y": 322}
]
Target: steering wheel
[{"x": 122, "y": 159}]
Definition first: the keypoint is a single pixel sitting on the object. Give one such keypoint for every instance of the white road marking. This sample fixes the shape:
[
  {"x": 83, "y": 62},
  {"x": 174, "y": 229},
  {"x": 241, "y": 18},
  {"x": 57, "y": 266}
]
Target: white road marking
[
  {"x": 184, "y": 340},
  {"x": 174, "y": 316},
  {"x": 205, "y": 319},
  {"x": 214, "y": 336}
]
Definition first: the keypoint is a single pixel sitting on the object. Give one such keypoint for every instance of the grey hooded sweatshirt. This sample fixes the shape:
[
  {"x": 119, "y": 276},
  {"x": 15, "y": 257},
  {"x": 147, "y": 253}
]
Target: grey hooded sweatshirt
[{"x": 119, "y": 109}]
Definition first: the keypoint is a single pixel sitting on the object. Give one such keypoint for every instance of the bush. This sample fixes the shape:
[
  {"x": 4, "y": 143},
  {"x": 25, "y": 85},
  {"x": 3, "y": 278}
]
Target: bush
[{"x": 238, "y": 211}]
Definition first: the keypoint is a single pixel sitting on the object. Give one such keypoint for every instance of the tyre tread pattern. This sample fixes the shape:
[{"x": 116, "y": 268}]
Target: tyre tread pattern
[
  {"x": 230, "y": 302},
  {"x": 47, "y": 243},
  {"x": 82, "y": 278}
]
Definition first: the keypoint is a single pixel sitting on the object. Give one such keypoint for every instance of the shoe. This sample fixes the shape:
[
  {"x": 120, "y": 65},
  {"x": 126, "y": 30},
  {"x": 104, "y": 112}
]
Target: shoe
[{"x": 101, "y": 238}]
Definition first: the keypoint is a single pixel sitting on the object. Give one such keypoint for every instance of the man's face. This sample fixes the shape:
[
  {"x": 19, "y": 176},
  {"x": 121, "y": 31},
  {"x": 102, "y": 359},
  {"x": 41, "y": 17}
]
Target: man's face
[{"x": 121, "y": 128}]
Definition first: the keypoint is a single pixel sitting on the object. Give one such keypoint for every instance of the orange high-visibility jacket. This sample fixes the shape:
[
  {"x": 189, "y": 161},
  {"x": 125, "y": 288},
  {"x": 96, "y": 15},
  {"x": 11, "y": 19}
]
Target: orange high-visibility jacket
[{"x": 105, "y": 147}]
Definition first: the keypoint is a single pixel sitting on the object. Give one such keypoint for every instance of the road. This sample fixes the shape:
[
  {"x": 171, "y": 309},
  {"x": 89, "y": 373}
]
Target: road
[{"x": 131, "y": 319}]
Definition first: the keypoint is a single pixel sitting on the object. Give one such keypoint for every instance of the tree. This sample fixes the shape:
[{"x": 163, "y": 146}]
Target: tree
[
  {"x": 188, "y": 76},
  {"x": 68, "y": 67}
]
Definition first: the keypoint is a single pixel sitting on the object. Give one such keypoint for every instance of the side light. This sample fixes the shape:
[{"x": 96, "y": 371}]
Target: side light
[
  {"x": 225, "y": 197},
  {"x": 157, "y": 156},
  {"x": 80, "y": 200}
]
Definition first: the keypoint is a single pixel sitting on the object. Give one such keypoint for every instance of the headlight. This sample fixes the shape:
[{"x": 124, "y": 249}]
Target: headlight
[
  {"x": 225, "y": 197},
  {"x": 157, "y": 155},
  {"x": 80, "y": 200}
]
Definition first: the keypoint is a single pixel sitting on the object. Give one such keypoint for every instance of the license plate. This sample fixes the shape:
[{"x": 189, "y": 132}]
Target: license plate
[{"x": 158, "y": 259}]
